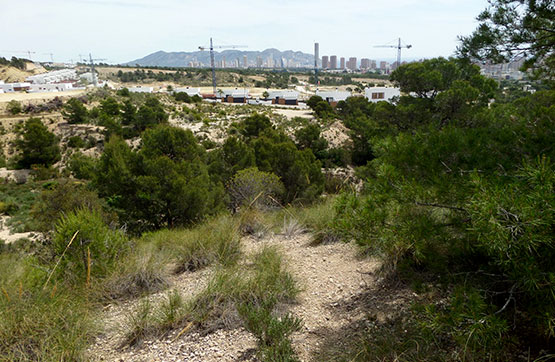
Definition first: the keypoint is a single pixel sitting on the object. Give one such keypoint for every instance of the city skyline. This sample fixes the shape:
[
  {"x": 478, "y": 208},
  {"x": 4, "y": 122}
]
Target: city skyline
[{"x": 123, "y": 30}]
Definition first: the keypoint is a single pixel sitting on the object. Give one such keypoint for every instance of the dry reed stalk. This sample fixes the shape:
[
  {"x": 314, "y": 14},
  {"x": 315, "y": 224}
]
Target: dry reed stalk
[{"x": 60, "y": 259}]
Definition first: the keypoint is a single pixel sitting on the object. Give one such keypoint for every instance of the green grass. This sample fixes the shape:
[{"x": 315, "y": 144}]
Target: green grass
[
  {"x": 53, "y": 324},
  {"x": 235, "y": 295},
  {"x": 215, "y": 241},
  {"x": 16, "y": 201}
]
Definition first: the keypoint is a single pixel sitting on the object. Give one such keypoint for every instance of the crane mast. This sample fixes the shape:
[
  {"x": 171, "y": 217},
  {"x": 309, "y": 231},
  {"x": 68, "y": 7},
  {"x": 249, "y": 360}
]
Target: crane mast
[
  {"x": 213, "y": 62},
  {"x": 399, "y": 46}
]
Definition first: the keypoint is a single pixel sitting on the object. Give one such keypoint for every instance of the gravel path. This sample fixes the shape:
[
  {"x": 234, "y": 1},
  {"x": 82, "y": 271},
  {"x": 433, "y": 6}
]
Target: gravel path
[{"x": 329, "y": 276}]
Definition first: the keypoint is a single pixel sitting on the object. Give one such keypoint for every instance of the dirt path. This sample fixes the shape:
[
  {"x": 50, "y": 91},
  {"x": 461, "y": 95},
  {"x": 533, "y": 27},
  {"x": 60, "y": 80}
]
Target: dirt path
[{"x": 329, "y": 276}]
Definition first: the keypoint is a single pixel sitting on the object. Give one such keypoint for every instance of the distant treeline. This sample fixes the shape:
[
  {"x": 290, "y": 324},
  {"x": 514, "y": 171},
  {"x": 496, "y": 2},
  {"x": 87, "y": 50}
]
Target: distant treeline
[{"x": 19, "y": 63}]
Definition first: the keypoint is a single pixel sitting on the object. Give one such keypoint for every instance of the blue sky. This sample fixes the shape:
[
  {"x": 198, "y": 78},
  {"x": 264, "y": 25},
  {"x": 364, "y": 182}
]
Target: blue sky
[{"x": 124, "y": 30}]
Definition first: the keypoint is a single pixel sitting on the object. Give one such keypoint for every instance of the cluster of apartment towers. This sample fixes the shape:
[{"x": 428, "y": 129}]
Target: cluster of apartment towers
[{"x": 330, "y": 63}]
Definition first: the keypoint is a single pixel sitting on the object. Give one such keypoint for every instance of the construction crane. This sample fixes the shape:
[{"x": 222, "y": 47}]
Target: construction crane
[
  {"x": 51, "y": 56},
  {"x": 28, "y": 52},
  {"x": 92, "y": 68},
  {"x": 398, "y": 46},
  {"x": 212, "y": 63}
]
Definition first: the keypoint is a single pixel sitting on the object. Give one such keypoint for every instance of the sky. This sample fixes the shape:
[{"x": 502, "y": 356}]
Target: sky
[{"x": 124, "y": 30}]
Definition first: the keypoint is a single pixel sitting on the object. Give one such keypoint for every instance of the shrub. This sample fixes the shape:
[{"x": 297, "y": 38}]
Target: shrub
[
  {"x": 137, "y": 273},
  {"x": 254, "y": 188},
  {"x": 14, "y": 107},
  {"x": 82, "y": 167},
  {"x": 76, "y": 142},
  {"x": 38, "y": 145},
  {"x": 75, "y": 112},
  {"x": 95, "y": 247},
  {"x": 62, "y": 197}
]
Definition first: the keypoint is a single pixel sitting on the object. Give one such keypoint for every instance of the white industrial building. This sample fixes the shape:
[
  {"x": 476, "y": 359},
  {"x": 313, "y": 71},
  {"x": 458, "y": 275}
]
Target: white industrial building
[
  {"x": 140, "y": 89},
  {"x": 377, "y": 94},
  {"x": 56, "y": 76},
  {"x": 284, "y": 97},
  {"x": 234, "y": 95},
  {"x": 14, "y": 87},
  {"x": 190, "y": 91},
  {"x": 333, "y": 96},
  {"x": 51, "y": 87}
]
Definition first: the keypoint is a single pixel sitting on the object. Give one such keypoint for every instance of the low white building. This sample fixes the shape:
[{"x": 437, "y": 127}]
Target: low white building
[
  {"x": 50, "y": 87},
  {"x": 333, "y": 96},
  {"x": 140, "y": 89},
  {"x": 56, "y": 76},
  {"x": 284, "y": 97},
  {"x": 15, "y": 87},
  {"x": 234, "y": 95},
  {"x": 190, "y": 91},
  {"x": 377, "y": 94}
]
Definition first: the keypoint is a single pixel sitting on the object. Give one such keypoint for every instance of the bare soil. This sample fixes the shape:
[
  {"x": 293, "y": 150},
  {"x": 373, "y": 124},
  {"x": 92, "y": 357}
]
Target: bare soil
[{"x": 330, "y": 276}]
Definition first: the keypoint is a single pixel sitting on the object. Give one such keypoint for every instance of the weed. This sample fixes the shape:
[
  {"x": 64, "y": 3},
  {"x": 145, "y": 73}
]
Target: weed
[{"x": 140, "y": 272}]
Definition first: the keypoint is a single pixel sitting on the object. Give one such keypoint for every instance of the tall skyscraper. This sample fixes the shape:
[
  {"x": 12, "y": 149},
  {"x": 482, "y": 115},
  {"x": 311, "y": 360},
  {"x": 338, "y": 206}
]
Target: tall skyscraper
[
  {"x": 342, "y": 63},
  {"x": 333, "y": 62},
  {"x": 316, "y": 54},
  {"x": 372, "y": 64},
  {"x": 365, "y": 63},
  {"x": 245, "y": 62},
  {"x": 325, "y": 62},
  {"x": 259, "y": 61},
  {"x": 352, "y": 63}
]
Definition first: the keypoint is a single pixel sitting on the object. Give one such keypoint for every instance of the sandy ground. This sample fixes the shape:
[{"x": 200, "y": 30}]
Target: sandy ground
[
  {"x": 329, "y": 276},
  {"x": 8, "y": 237},
  {"x": 20, "y": 96}
]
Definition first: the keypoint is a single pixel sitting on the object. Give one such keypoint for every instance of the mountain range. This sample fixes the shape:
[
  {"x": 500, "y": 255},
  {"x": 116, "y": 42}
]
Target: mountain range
[{"x": 269, "y": 57}]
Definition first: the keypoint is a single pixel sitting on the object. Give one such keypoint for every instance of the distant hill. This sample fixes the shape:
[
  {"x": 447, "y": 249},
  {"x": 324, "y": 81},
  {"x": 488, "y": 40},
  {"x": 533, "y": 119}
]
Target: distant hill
[{"x": 269, "y": 57}]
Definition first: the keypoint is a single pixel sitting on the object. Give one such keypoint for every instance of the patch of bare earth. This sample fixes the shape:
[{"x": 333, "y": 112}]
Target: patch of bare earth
[{"x": 330, "y": 276}]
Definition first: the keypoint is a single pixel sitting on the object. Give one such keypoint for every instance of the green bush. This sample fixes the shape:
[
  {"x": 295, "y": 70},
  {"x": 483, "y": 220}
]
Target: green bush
[
  {"x": 76, "y": 142},
  {"x": 93, "y": 244},
  {"x": 254, "y": 188},
  {"x": 62, "y": 197},
  {"x": 75, "y": 112},
  {"x": 14, "y": 107},
  {"x": 82, "y": 167},
  {"x": 38, "y": 145}
]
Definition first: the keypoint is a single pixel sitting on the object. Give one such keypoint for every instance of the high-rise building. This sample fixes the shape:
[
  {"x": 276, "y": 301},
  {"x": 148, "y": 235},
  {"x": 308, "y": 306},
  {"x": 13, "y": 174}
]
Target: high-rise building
[
  {"x": 372, "y": 64},
  {"x": 342, "y": 63},
  {"x": 325, "y": 62},
  {"x": 316, "y": 54},
  {"x": 245, "y": 62},
  {"x": 365, "y": 63},
  {"x": 333, "y": 62},
  {"x": 352, "y": 63},
  {"x": 259, "y": 61}
]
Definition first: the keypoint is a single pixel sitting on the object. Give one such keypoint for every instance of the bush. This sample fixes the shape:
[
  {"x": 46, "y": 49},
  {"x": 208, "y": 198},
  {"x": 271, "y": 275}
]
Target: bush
[
  {"x": 75, "y": 112},
  {"x": 82, "y": 167},
  {"x": 38, "y": 145},
  {"x": 95, "y": 247},
  {"x": 14, "y": 107},
  {"x": 76, "y": 142},
  {"x": 254, "y": 188},
  {"x": 60, "y": 198}
]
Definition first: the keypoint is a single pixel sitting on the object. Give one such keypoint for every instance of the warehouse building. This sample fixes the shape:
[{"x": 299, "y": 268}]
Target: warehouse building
[
  {"x": 285, "y": 97},
  {"x": 234, "y": 95},
  {"x": 332, "y": 97}
]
